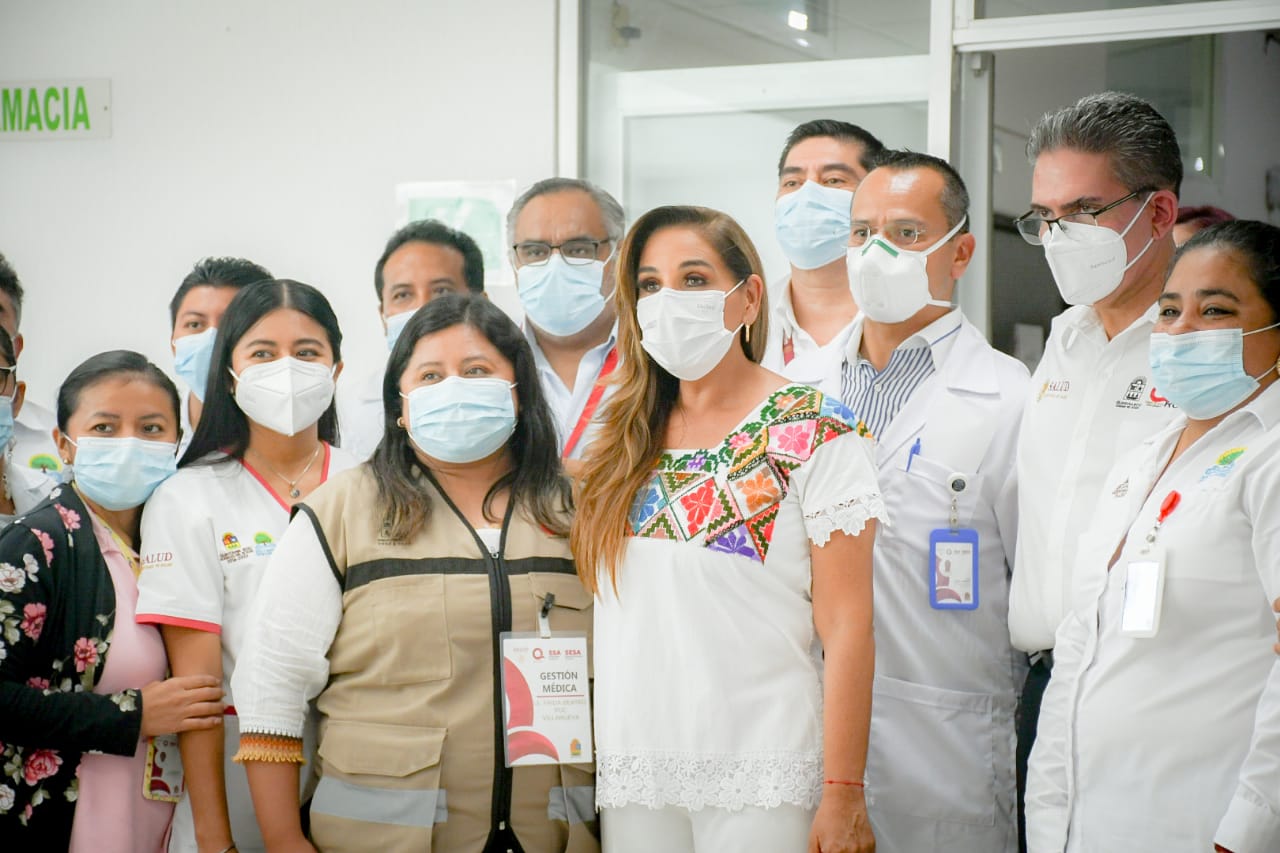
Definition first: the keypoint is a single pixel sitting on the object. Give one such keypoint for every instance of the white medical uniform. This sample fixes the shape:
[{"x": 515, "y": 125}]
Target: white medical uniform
[
  {"x": 568, "y": 405},
  {"x": 207, "y": 534},
  {"x": 27, "y": 487},
  {"x": 33, "y": 445},
  {"x": 940, "y": 772},
  {"x": 784, "y": 330},
  {"x": 1091, "y": 401},
  {"x": 360, "y": 419},
  {"x": 1171, "y": 743}
]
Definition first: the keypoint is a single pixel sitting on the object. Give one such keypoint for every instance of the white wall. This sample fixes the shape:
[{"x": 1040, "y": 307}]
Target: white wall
[{"x": 273, "y": 130}]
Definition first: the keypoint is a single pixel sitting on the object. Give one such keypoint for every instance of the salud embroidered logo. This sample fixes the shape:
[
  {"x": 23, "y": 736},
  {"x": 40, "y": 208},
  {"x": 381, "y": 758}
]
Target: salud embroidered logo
[
  {"x": 1054, "y": 388},
  {"x": 1225, "y": 463}
]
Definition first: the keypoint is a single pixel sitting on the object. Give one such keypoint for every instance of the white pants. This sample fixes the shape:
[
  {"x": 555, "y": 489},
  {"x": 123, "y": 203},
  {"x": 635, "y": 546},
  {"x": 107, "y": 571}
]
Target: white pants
[{"x": 640, "y": 829}]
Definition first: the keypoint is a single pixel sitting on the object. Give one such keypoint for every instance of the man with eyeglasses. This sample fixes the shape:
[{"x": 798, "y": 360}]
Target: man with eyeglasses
[
  {"x": 1104, "y": 199},
  {"x": 420, "y": 261},
  {"x": 943, "y": 407},
  {"x": 564, "y": 233},
  {"x": 822, "y": 163}
]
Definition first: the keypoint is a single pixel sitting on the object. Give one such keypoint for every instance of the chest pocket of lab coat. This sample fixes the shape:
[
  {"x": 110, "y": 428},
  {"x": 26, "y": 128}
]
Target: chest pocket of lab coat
[{"x": 927, "y": 496}]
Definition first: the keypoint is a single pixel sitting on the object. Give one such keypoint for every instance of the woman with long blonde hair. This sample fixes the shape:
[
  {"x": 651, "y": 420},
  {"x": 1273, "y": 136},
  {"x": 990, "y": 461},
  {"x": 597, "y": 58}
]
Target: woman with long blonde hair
[{"x": 725, "y": 524}]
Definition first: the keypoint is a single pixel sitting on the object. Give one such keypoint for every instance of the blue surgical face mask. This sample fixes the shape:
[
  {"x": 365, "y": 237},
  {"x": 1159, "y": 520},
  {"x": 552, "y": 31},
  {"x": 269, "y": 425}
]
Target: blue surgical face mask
[
  {"x": 191, "y": 357},
  {"x": 812, "y": 224},
  {"x": 461, "y": 420},
  {"x": 6, "y": 422},
  {"x": 1202, "y": 373},
  {"x": 395, "y": 325},
  {"x": 121, "y": 473},
  {"x": 561, "y": 298}
]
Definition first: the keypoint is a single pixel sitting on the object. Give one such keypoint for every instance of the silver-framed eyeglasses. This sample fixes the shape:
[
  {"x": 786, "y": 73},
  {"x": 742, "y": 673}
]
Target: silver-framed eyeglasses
[
  {"x": 534, "y": 253},
  {"x": 1034, "y": 227},
  {"x": 904, "y": 235}
]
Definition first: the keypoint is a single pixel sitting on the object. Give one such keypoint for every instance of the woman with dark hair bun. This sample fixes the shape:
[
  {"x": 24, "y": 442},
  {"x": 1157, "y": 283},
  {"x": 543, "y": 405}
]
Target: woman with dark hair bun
[
  {"x": 385, "y": 603},
  {"x": 1160, "y": 728},
  {"x": 83, "y": 694},
  {"x": 264, "y": 441}
]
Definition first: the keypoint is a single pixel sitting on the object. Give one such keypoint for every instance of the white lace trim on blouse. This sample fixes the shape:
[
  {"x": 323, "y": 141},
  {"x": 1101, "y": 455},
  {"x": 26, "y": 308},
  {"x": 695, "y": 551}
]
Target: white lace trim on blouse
[
  {"x": 849, "y": 516},
  {"x": 695, "y": 781}
]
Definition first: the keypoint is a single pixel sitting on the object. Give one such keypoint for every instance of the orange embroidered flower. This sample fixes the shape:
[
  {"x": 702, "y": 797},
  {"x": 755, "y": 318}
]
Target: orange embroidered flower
[{"x": 760, "y": 490}]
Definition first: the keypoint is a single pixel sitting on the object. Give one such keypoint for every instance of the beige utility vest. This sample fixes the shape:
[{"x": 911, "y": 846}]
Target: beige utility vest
[{"x": 411, "y": 722}]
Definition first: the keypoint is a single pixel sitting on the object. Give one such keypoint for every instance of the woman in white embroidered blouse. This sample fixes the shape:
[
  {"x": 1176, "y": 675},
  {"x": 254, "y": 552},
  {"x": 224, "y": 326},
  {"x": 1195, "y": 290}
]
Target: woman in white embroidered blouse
[{"x": 725, "y": 522}]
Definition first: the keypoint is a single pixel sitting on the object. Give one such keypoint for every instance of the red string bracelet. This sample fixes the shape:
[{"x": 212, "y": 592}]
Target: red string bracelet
[{"x": 842, "y": 782}]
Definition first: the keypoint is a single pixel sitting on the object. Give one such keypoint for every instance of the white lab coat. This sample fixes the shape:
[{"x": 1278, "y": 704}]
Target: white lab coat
[{"x": 940, "y": 768}]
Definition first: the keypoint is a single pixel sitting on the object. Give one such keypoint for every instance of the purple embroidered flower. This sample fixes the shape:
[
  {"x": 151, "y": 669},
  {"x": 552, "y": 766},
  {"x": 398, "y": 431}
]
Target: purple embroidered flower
[
  {"x": 736, "y": 541},
  {"x": 697, "y": 462}
]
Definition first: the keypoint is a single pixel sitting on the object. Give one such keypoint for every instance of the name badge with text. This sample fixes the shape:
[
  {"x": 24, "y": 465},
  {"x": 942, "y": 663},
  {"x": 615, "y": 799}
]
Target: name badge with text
[{"x": 547, "y": 698}]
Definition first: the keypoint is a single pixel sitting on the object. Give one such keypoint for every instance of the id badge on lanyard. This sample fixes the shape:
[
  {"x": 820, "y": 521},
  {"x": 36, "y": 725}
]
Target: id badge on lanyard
[
  {"x": 162, "y": 779},
  {"x": 953, "y": 558},
  {"x": 546, "y": 692},
  {"x": 1144, "y": 580}
]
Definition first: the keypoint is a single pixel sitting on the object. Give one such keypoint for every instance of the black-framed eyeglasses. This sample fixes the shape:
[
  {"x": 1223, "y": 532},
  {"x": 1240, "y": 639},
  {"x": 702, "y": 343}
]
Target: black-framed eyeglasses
[
  {"x": 1034, "y": 227},
  {"x": 578, "y": 252}
]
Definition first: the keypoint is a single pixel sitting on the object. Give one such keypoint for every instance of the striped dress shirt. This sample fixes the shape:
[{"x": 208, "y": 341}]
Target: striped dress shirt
[{"x": 877, "y": 397}]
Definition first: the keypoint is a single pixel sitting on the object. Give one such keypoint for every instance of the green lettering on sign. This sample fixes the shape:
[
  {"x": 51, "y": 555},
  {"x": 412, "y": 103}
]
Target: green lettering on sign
[
  {"x": 12, "y": 109},
  {"x": 81, "y": 117},
  {"x": 33, "y": 111},
  {"x": 50, "y": 121},
  {"x": 54, "y": 109}
]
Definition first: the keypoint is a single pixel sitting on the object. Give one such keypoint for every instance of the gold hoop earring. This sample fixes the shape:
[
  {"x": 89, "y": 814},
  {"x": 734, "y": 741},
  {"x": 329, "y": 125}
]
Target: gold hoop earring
[
  {"x": 400, "y": 422},
  {"x": 746, "y": 328}
]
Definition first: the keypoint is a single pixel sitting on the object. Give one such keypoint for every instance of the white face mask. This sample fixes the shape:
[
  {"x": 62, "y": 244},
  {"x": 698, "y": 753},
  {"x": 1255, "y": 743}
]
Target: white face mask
[
  {"x": 684, "y": 331},
  {"x": 285, "y": 395},
  {"x": 890, "y": 284},
  {"x": 1089, "y": 261}
]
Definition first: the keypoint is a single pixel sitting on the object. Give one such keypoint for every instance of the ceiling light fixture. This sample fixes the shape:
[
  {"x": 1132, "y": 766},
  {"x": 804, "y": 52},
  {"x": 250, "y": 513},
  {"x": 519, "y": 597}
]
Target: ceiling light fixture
[{"x": 797, "y": 20}]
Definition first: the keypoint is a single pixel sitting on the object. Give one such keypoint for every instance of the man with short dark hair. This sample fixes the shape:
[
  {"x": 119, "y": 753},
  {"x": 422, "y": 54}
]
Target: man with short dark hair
[
  {"x": 564, "y": 233},
  {"x": 1104, "y": 197},
  {"x": 32, "y": 445},
  {"x": 195, "y": 310},
  {"x": 943, "y": 407},
  {"x": 420, "y": 261},
  {"x": 822, "y": 163}
]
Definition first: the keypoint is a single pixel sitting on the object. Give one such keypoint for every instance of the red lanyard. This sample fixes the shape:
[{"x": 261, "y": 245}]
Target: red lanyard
[
  {"x": 593, "y": 402},
  {"x": 788, "y": 349}
]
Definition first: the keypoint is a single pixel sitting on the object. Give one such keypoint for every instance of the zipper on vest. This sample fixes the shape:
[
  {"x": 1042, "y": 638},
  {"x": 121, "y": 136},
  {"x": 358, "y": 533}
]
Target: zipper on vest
[{"x": 502, "y": 839}]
